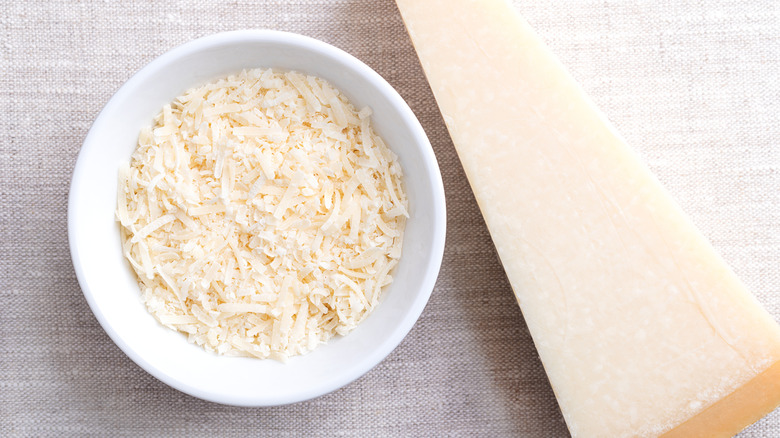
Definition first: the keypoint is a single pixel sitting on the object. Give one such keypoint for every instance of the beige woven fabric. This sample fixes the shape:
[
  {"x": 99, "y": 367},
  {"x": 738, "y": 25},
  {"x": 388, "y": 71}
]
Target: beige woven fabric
[{"x": 693, "y": 85}]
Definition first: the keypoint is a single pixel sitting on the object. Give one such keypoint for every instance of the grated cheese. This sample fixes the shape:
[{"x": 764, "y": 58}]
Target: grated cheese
[{"x": 262, "y": 214}]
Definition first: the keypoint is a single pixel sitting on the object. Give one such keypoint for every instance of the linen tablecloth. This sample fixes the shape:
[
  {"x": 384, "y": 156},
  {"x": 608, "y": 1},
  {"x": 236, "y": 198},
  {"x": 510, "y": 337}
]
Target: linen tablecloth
[{"x": 694, "y": 86}]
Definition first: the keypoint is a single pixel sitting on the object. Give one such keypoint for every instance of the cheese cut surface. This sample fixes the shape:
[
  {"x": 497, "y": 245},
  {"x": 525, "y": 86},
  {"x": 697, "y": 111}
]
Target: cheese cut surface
[{"x": 642, "y": 328}]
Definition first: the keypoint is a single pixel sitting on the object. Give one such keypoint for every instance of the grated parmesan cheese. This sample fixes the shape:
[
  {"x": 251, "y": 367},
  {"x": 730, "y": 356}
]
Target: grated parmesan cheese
[{"x": 262, "y": 214}]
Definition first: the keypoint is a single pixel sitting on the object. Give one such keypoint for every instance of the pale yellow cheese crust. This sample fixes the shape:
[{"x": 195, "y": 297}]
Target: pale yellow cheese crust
[{"x": 736, "y": 411}]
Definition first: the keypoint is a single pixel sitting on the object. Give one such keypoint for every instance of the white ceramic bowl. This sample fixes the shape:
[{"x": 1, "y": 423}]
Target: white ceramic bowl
[{"x": 108, "y": 282}]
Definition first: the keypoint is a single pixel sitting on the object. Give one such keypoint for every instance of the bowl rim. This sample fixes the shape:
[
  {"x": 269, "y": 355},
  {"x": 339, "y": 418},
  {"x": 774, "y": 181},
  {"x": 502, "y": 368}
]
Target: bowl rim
[{"x": 434, "y": 180}]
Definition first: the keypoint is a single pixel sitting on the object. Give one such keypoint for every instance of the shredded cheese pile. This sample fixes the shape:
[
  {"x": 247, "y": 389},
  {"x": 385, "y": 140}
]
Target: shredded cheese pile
[{"x": 262, "y": 214}]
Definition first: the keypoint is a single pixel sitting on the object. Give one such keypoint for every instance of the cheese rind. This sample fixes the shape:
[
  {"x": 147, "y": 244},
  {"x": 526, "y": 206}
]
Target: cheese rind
[
  {"x": 732, "y": 413},
  {"x": 640, "y": 325}
]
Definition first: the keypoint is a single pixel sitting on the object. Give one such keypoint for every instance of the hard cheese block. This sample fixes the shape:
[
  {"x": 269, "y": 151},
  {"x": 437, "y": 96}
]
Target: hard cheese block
[{"x": 643, "y": 330}]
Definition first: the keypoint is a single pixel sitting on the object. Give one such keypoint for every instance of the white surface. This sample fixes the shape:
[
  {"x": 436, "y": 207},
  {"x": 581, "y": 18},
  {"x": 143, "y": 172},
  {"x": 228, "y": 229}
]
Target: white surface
[{"x": 111, "y": 288}]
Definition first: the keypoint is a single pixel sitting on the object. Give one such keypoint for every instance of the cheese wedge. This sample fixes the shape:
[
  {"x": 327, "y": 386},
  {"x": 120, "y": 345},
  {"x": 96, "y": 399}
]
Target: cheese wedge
[{"x": 642, "y": 328}]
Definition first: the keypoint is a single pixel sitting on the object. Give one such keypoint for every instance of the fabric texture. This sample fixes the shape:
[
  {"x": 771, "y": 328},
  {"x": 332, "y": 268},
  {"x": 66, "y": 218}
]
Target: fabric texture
[{"x": 694, "y": 86}]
